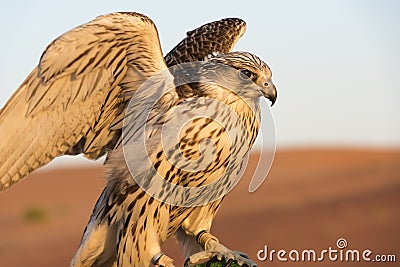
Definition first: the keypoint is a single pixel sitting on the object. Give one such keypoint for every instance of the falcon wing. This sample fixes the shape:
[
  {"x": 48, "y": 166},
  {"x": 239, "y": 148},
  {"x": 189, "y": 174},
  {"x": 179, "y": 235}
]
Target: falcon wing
[
  {"x": 218, "y": 36},
  {"x": 69, "y": 103}
]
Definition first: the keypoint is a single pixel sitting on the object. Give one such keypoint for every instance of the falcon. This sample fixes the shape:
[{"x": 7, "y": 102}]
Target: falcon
[{"x": 88, "y": 95}]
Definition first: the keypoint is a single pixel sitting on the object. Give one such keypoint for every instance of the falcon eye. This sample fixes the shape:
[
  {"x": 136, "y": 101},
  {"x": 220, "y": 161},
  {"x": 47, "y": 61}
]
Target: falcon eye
[{"x": 244, "y": 73}]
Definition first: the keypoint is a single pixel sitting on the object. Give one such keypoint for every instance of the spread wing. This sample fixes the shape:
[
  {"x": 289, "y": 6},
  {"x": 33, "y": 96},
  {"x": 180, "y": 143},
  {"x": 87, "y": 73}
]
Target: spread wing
[
  {"x": 218, "y": 36},
  {"x": 71, "y": 100}
]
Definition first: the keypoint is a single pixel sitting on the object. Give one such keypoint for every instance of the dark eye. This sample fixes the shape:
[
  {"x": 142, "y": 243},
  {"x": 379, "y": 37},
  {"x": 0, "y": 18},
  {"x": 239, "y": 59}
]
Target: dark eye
[{"x": 246, "y": 74}]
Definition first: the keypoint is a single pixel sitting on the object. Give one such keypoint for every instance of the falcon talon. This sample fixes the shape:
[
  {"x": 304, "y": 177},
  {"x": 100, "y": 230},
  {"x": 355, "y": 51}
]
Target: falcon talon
[
  {"x": 162, "y": 260},
  {"x": 229, "y": 263},
  {"x": 242, "y": 254},
  {"x": 227, "y": 256}
]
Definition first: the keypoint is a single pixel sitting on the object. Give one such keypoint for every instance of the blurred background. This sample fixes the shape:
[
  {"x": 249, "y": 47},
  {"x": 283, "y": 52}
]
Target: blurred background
[{"x": 336, "y": 172}]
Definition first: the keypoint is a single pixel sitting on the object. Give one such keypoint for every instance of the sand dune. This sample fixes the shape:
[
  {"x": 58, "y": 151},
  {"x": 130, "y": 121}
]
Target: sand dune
[{"x": 311, "y": 198}]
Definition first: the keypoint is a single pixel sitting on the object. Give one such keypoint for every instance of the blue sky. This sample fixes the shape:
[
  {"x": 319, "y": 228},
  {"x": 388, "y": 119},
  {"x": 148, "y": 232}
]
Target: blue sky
[{"x": 335, "y": 63}]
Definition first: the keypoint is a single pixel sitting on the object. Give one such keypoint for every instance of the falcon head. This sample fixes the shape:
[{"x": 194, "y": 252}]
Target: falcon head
[{"x": 251, "y": 75}]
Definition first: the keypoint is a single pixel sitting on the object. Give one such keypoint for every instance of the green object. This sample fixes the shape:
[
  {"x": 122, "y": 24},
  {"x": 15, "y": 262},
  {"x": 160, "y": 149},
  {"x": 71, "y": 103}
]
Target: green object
[
  {"x": 35, "y": 214},
  {"x": 216, "y": 263}
]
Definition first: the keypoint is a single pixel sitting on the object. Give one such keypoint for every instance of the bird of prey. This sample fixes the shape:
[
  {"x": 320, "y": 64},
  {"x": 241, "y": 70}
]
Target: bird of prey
[{"x": 75, "y": 100}]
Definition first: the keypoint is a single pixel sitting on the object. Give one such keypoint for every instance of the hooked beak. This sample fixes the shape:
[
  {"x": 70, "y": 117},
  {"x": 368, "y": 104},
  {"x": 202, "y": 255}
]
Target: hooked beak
[{"x": 270, "y": 92}]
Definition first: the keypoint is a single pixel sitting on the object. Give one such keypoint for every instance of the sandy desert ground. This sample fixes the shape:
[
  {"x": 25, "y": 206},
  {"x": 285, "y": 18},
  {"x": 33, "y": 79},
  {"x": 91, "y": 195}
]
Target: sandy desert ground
[{"x": 311, "y": 199}]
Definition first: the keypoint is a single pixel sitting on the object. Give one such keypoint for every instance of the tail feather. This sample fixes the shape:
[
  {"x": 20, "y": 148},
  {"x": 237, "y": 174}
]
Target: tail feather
[
  {"x": 98, "y": 244},
  {"x": 97, "y": 247}
]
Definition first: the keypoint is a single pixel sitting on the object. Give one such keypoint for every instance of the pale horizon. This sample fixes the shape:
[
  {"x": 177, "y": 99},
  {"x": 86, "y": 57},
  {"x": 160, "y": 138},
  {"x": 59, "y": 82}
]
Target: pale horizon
[{"x": 335, "y": 63}]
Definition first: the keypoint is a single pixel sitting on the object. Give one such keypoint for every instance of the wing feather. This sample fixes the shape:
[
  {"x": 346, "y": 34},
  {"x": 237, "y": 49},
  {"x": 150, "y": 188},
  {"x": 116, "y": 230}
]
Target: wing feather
[
  {"x": 67, "y": 103},
  {"x": 217, "y": 36},
  {"x": 74, "y": 101}
]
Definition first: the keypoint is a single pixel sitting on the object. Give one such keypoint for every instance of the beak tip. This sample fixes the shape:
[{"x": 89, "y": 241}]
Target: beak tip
[
  {"x": 270, "y": 93},
  {"x": 272, "y": 99}
]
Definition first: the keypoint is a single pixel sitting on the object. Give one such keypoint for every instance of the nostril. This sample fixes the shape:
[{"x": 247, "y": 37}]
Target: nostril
[{"x": 266, "y": 84}]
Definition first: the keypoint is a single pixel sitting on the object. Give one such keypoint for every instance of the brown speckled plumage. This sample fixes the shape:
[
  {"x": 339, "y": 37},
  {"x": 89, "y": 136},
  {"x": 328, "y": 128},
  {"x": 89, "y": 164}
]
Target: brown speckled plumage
[{"x": 78, "y": 95}]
